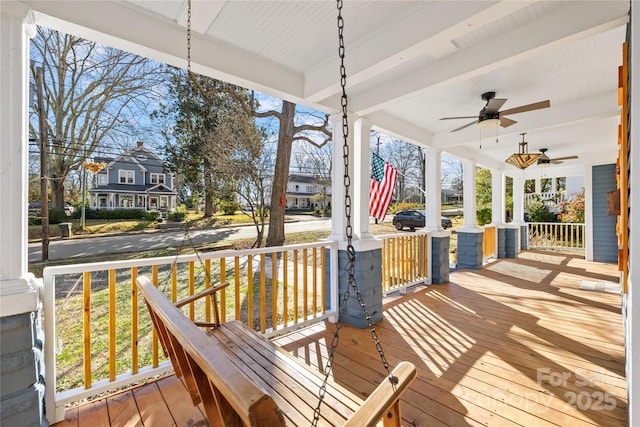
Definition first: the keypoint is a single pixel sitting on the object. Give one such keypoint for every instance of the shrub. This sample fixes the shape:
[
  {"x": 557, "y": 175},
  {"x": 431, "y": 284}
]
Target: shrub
[
  {"x": 176, "y": 216},
  {"x": 151, "y": 215},
  {"x": 574, "y": 210},
  {"x": 483, "y": 216},
  {"x": 116, "y": 214},
  {"x": 56, "y": 216},
  {"x": 228, "y": 208}
]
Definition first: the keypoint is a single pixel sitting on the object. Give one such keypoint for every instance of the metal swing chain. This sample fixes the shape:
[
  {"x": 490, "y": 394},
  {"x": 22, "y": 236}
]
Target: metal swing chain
[{"x": 351, "y": 253}]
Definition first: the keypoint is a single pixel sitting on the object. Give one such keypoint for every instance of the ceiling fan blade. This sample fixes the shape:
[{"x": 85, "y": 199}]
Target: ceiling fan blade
[
  {"x": 459, "y": 117},
  {"x": 506, "y": 122},
  {"x": 564, "y": 158},
  {"x": 493, "y": 105},
  {"x": 555, "y": 161},
  {"x": 528, "y": 107},
  {"x": 465, "y": 126}
]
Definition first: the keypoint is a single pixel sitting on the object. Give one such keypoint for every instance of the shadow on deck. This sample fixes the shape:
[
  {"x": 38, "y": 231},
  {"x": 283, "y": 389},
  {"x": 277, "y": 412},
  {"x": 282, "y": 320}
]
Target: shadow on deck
[{"x": 516, "y": 343}]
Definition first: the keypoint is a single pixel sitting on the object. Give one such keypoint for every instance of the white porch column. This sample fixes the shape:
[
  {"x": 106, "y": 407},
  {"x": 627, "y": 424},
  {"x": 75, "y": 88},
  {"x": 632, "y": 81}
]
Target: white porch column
[
  {"x": 433, "y": 185},
  {"x": 588, "y": 212},
  {"x": 361, "y": 180},
  {"x": 22, "y": 393},
  {"x": 18, "y": 292},
  {"x": 538, "y": 185},
  {"x": 554, "y": 184},
  {"x": 338, "y": 214},
  {"x": 497, "y": 197},
  {"x": 469, "y": 192},
  {"x": 518, "y": 200}
]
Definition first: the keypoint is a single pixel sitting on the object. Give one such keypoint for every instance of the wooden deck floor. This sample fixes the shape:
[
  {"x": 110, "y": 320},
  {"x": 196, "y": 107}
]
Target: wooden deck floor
[{"x": 516, "y": 343}]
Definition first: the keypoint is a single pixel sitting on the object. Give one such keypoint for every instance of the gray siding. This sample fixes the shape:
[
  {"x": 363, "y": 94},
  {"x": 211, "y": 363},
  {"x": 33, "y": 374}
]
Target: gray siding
[{"x": 605, "y": 241}]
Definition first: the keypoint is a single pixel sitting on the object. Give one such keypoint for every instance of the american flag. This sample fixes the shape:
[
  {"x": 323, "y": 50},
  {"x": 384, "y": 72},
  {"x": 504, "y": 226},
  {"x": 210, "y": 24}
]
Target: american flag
[{"x": 383, "y": 182}]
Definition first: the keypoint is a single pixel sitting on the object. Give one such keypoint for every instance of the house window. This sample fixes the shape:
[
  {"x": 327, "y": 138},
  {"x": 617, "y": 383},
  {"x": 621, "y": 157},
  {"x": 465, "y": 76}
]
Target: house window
[
  {"x": 126, "y": 177},
  {"x": 164, "y": 203},
  {"x": 297, "y": 188},
  {"x": 126, "y": 201},
  {"x": 309, "y": 188},
  {"x": 102, "y": 179},
  {"x": 157, "y": 178}
]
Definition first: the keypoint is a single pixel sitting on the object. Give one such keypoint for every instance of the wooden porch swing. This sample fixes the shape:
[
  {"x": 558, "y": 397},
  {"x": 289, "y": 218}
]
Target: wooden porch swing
[{"x": 243, "y": 379}]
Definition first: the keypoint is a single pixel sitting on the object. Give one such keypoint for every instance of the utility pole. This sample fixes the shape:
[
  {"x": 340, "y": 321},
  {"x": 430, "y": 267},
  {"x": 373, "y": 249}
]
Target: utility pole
[
  {"x": 44, "y": 188},
  {"x": 84, "y": 187}
]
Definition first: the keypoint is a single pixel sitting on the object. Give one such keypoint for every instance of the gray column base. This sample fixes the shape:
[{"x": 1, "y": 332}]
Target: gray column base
[
  {"x": 508, "y": 242},
  {"x": 470, "y": 250},
  {"x": 368, "y": 275},
  {"x": 440, "y": 260},
  {"x": 22, "y": 371},
  {"x": 524, "y": 237}
]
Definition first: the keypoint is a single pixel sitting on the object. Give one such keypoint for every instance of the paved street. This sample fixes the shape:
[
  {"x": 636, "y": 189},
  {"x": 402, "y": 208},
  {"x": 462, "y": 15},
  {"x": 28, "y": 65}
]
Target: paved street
[{"x": 158, "y": 239}]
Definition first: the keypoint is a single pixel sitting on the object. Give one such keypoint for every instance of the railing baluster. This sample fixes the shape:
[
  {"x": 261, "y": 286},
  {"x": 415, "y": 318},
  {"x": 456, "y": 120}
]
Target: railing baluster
[
  {"x": 154, "y": 334},
  {"x": 314, "y": 282},
  {"x": 295, "y": 286},
  {"x": 223, "y": 292},
  {"x": 192, "y": 286},
  {"x": 323, "y": 278},
  {"x": 86, "y": 330},
  {"x": 263, "y": 294},
  {"x": 274, "y": 291},
  {"x": 305, "y": 284},
  {"x": 285, "y": 288},
  {"x": 134, "y": 321},
  {"x": 236, "y": 288},
  {"x": 112, "y": 325},
  {"x": 250, "y": 321}
]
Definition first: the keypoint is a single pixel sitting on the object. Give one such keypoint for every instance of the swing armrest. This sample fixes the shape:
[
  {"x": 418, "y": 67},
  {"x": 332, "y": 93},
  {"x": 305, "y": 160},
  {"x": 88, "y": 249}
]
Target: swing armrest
[
  {"x": 383, "y": 402},
  {"x": 199, "y": 295}
]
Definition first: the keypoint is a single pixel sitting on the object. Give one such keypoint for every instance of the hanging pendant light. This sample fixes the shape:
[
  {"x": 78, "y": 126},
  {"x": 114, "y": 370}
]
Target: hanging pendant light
[{"x": 523, "y": 159}]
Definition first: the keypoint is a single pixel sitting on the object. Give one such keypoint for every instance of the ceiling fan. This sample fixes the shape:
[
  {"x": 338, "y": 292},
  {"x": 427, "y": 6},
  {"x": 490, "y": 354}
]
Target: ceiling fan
[
  {"x": 490, "y": 115},
  {"x": 545, "y": 160}
]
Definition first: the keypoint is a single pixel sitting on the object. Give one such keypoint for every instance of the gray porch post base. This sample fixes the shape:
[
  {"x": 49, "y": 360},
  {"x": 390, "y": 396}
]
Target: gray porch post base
[
  {"x": 470, "y": 250},
  {"x": 368, "y": 276},
  {"x": 22, "y": 371},
  {"x": 524, "y": 237},
  {"x": 511, "y": 243},
  {"x": 500, "y": 235},
  {"x": 440, "y": 260},
  {"x": 508, "y": 242}
]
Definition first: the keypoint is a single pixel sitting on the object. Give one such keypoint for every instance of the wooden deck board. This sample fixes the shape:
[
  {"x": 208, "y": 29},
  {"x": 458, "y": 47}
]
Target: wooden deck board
[{"x": 516, "y": 343}]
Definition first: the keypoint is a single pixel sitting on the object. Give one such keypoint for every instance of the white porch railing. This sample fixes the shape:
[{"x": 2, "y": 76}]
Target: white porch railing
[
  {"x": 99, "y": 336},
  {"x": 405, "y": 261},
  {"x": 556, "y": 236},
  {"x": 547, "y": 196}
]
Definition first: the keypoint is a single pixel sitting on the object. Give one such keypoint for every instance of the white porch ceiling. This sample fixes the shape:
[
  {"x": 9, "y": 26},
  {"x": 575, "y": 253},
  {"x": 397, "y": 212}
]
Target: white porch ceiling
[{"x": 409, "y": 63}]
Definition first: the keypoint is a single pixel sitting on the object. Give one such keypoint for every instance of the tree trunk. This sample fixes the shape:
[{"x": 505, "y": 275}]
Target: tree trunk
[
  {"x": 208, "y": 190},
  {"x": 57, "y": 193},
  {"x": 275, "y": 236}
]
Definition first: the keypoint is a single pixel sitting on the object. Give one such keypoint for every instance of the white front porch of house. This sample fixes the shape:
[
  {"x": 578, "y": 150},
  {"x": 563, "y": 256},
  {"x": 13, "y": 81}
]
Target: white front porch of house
[{"x": 21, "y": 292}]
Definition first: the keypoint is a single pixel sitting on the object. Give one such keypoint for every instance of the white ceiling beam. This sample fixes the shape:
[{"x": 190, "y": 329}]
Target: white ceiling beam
[
  {"x": 398, "y": 128},
  {"x": 577, "y": 20},
  {"x": 203, "y": 14},
  {"x": 429, "y": 31},
  {"x": 117, "y": 25}
]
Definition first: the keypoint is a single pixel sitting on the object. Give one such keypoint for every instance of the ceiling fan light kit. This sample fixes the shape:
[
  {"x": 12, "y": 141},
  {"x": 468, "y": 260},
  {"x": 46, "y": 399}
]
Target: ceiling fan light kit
[
  {"x": 489, "y": 124},
  {"x": 523, "y": 159}
]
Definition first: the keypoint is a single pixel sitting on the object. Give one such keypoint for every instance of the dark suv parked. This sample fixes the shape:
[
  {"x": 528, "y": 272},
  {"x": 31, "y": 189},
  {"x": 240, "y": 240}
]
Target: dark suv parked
[{"x": 415, "y": 218}]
